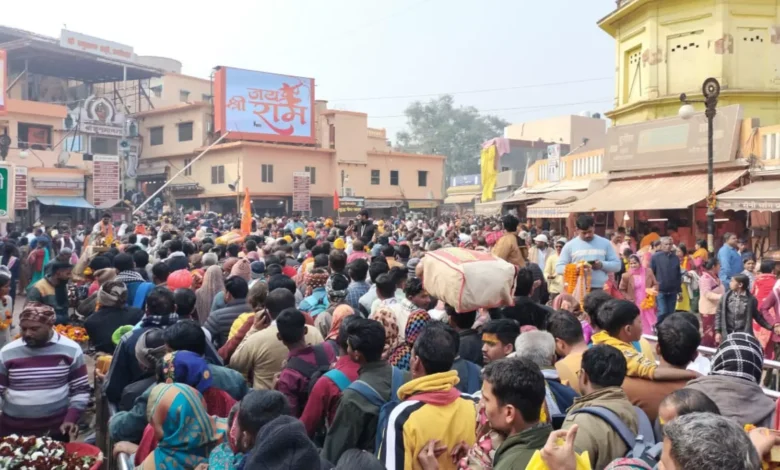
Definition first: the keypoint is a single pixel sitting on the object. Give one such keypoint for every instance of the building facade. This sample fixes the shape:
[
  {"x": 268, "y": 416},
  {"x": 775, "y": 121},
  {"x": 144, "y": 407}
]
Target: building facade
[{"x": 667, "y": 47}]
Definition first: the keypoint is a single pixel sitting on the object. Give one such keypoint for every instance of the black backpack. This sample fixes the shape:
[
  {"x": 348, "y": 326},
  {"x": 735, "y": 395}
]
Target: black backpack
[{"x": 310, "y": 371}]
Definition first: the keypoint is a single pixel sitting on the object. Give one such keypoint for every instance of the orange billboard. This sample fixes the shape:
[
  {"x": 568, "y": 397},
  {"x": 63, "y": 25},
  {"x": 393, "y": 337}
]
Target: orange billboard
[{"x": 3, "y": 81}]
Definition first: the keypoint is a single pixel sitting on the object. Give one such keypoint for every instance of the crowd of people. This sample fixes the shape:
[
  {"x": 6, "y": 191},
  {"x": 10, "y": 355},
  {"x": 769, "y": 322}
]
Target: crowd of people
[{"x": 307, "y": 343}]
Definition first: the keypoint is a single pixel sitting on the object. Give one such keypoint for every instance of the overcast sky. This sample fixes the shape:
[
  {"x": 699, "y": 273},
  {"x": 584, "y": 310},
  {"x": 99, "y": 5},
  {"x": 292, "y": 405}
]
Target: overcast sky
[{"x": 358, "y": 50}]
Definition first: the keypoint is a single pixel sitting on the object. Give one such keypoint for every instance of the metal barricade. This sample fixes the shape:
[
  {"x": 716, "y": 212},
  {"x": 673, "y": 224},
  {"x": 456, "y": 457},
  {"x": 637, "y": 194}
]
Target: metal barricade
[
  {"x": 103, "y": 413},
  {"x": 708, "y": 352}
]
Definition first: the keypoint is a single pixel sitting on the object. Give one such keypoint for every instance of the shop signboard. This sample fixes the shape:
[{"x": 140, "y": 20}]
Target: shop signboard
[
  {"x": 672, "y": 142},
  {"x": 554, "y": 163},
  {"x": 105, "y": 179},
  {"x": 350, "y": 206},
  {"x": 264, "y": 106},
  {"x": 464, "y": 180},
  {"x": 301, "y": 191},
  {"x": 6, "y": 193},
  {"x": 92, "y": 45},
  {"x": 20, "y": 188},
  {"x": 3, "y": 80}
]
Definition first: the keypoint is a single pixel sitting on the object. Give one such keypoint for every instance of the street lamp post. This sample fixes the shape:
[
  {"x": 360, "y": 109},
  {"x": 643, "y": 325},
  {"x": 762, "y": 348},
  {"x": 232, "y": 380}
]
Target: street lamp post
[{"x": 711, "y": 90}]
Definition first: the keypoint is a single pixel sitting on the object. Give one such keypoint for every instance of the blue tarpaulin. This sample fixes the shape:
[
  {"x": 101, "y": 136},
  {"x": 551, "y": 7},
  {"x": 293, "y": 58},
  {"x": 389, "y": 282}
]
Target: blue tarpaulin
[{"x": 65, "y": 201}]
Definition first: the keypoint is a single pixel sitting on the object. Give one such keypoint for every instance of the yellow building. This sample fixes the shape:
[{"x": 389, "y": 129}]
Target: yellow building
[{"x": 668, "y": 47}]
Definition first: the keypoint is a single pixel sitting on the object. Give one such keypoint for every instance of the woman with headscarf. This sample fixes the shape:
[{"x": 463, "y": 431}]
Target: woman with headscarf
[
  {"x": 638, "y": 283},
  {"x": 734, "y": 381},
  {"x": 386, "y": 317},
  {"x": 38, "y": 259},
  {"x": 339, "y": 314},
  {"x": 24, "y": 265},
  {"x": 111, "y": 312},
  {"x": 213, "y": 284},
  {"x": 336, "y": 288},
  {"x": 401, "y": 355},
  {"x": 185, "y": 433},
  {"x": 185, "y": 367}
]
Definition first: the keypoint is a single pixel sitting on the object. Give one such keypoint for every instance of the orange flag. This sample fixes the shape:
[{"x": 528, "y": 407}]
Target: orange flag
[
  {"x": 336, "y": 201},
  {"x": 246, "y": 214}
]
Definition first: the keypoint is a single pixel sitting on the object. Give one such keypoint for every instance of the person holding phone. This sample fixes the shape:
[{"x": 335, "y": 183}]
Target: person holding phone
[{"x": 596, "y": 251}]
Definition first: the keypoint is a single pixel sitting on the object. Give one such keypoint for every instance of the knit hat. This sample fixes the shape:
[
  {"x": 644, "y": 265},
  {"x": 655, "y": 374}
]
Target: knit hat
[
  {"x": 209, "y": 259},
  {"x": 112, "y": 294},
  {"x": 258, "y": 269},
  {"x": 283, "y": 443},
  {"x": 150, "y": 348},
  {"x": 411, "y": 266},
  {"x": 241, "y": 269},
  {"x": 339, "y": 244},
  {"x": 739, "y": 355},
  {"x": 104, "y": 275},
  {"x": 37, "y": 312},
  {"x": 315, "y": 280},
  {"x": 180, "y": 279}
]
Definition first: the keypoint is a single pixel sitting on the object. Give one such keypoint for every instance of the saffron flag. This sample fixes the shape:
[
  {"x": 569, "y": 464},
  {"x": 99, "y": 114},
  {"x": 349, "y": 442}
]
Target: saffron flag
[
  {"x": 246, "y": 214},
  {"x": 336, "y": 202}
]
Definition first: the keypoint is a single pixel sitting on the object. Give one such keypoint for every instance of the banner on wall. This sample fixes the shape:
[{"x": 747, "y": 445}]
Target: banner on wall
[
  {"x": 20, "y": 188},
  {"x": 105, "y": 179},
  {"x": 301, "y": 191}
]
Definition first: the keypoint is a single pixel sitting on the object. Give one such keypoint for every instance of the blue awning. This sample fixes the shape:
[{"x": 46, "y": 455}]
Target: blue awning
[{"x": 65, "y": 201}]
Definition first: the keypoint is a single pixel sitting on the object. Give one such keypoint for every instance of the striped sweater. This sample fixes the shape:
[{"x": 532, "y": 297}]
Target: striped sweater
[{"x": 42, "y": 387}]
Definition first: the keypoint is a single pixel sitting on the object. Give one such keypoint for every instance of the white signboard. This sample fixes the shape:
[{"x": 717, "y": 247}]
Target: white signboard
[
  {"x": 97, "y": 46},
  {"x": 97, "y": 115},
  {"x": 554, "y": 163}
]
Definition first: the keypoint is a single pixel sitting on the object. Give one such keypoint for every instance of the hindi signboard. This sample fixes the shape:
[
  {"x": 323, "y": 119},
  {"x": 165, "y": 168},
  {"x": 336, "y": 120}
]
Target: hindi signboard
[
  {"x": 20, "y": 188},
  {"x": 351, "y": 206},
  {"x": 672, "y": 142},
  {"x": 97, "y": 115},
  {"x": 92, "y": 45},
  {"x": 264, "y": 106},
  {"x": 3, "y": 80},
  {"x": 301, "y": 191},
  {"x": 554, "y": 163},
  {"x": 6, "y": 193},
  {"x": 105, "y": 179}
]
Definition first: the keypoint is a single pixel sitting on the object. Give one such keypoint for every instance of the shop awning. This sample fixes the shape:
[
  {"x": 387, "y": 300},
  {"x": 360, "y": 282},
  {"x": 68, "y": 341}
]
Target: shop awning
[
  {"x": 758, "y": 196},
  {"x": 556, "y": 205},
  {"x": 654, "y": 193},
  {"x": 65, "y": 201},
  {"x": 460, "y": 199}
]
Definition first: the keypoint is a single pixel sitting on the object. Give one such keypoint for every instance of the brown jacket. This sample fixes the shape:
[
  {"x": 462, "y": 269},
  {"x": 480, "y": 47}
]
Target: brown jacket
[
  {"x": 648, "y": 394},
  {"x": 596, "y": 436},
  {"x": 627, "y": 284},
  {"x": 508, "y": 250}
]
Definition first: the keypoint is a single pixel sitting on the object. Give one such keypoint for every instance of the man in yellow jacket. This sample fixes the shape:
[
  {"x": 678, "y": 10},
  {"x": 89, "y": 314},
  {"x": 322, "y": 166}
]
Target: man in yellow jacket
[{"x": 431, "y": 407}]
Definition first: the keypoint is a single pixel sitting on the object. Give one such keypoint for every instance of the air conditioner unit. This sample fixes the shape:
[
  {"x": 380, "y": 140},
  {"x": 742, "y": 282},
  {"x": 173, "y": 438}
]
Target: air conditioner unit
[{"x": 348, "y": 192}]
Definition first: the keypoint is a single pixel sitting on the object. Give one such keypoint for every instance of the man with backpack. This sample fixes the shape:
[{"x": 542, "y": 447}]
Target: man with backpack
[
  {"x": 603, "y": 409},
  {"x": 356, "y": 421},
  {"x": 326, "y": 391},
  {"x": 303, "y": 361},
  {"x": 431, "y": 408}
]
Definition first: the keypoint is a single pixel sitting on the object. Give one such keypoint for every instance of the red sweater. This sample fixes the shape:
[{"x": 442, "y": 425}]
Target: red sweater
[{"x": 325, "y": 396}]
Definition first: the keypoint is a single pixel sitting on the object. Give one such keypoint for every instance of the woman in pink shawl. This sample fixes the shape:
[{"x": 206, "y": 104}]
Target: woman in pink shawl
[{"x": 636, "y": 285}]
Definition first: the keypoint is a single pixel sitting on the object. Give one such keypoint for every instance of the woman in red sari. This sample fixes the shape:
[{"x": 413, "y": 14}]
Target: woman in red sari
[{"x": 768, "y": 301}]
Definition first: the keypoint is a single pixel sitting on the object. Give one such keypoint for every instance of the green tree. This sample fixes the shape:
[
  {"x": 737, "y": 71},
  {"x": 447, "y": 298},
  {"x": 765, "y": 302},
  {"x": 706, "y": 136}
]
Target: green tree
[{"x": 439, "y": 127}]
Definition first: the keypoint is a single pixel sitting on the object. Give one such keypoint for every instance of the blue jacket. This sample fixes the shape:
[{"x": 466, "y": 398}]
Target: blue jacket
[
  {"x": 666, "y": 267},
  {"x": 730, "y": 263}
]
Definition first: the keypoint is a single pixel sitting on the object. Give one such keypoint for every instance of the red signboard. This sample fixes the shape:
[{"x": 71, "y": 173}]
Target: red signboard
[
  {"x": 301, "y": 191},
  {"x": 105, "y": 181},
  {"x": 20, "y": 188}
]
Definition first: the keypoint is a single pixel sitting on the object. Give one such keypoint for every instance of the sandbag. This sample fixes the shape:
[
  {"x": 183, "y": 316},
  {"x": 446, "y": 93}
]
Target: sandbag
[{"x": 468, "y": 280}]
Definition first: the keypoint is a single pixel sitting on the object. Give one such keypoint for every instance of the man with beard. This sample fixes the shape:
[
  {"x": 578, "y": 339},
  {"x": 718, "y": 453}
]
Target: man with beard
[
  {"x": 53, "y": 367},
  {"x": 52, "y": 290}
]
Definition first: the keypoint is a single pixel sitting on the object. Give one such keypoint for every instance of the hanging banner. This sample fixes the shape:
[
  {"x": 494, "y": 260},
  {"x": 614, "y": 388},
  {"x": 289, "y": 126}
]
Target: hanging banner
[
  {"x": 301, "y": 191},
  {"x": 105, "y": 179},
  {"x": 20, "y": 188}
]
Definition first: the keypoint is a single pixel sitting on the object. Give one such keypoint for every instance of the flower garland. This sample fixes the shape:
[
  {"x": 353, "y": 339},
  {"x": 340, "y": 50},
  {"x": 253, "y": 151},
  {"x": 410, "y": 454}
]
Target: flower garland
[
  {"x": 76, "y": 333},
  {"x": 572, "y": 274},
  {"x": 19, "y": 453},
  {"x": 648, "y": 303},
  {"x": 6, "y": 323}
]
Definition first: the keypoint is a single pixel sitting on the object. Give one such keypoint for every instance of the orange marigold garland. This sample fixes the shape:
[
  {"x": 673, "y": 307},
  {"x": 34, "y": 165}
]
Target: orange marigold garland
[
  {"x": 76, "y": 333},
  {"x": 648, "y": 303},
  {"x": 6, "y": 323},
  {"x": 576, "y": 281}
]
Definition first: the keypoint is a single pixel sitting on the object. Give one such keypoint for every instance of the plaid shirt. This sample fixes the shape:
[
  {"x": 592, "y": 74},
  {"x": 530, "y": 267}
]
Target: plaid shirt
[{"x": 355, "y": 291}]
